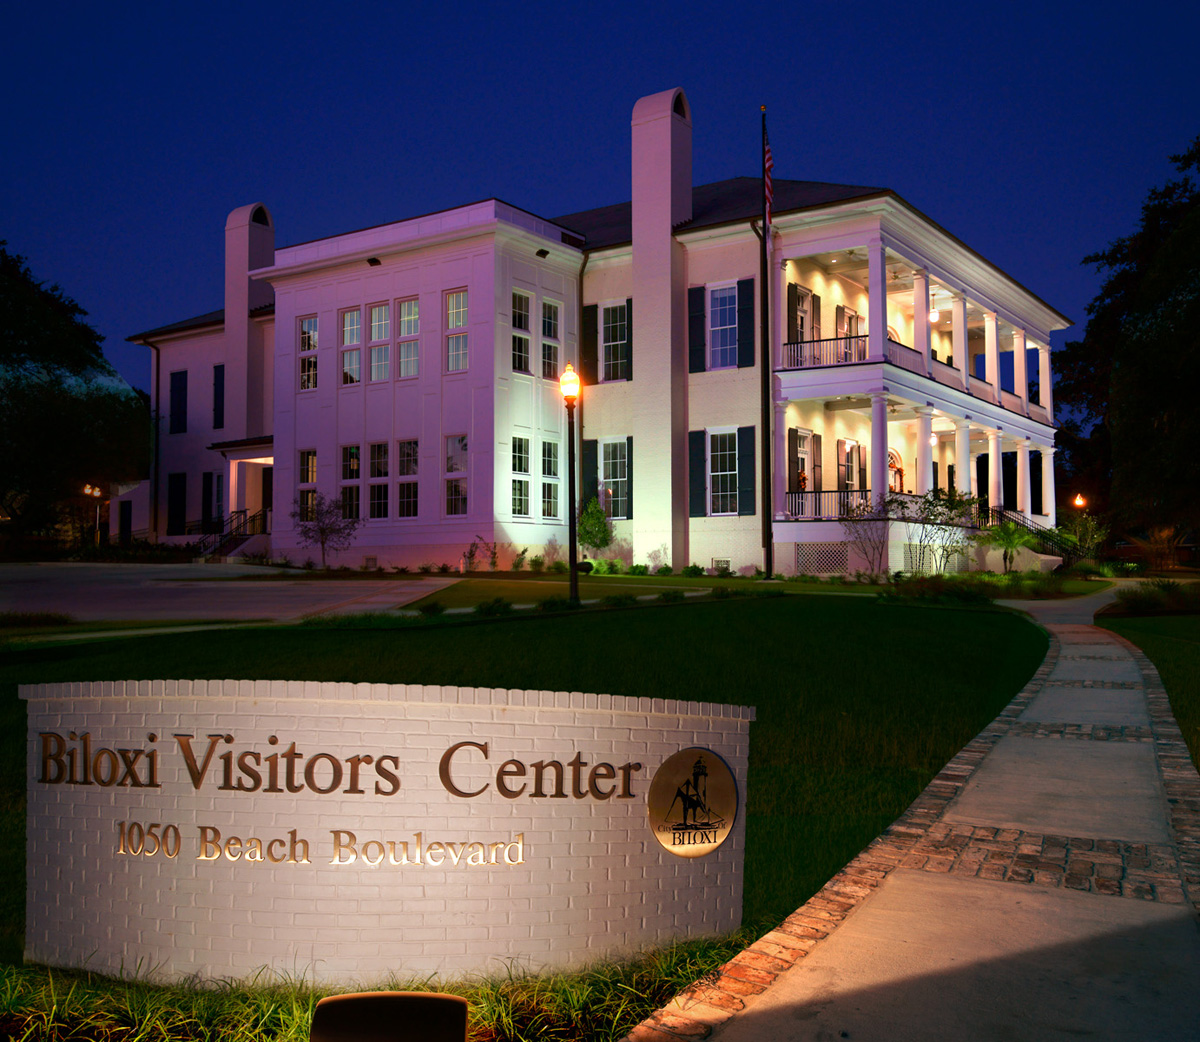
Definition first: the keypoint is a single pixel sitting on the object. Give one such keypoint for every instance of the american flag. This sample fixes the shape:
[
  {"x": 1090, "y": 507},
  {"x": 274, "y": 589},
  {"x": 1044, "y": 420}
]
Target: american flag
[{"x": 768, "y": 166}]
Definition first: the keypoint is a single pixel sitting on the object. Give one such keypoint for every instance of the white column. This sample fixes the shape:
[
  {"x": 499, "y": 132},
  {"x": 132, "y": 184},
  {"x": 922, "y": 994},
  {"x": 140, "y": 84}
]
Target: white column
[
  {"x": 775, "y": 272},
  {"x": 921, "y": 318},
  {"x": 879, "y": 447},
  {"x": 962, "y": 456},
  {"x": 1023, "y": 485},
  {"x": 1020, "y": 373},
  {"x": 991, "y": 353},
  {"x": 924, "y": 449},
  {"x": 995, "y": 472},
  {"x": 780, "y": 477},
  {"x": 1049, "y": 508},
  {"x": 1045, "y": 387},
  {"x": 973, "y": 468},
  {"x": 876, "y": 301},
  {"x": 958, "y": 321}
]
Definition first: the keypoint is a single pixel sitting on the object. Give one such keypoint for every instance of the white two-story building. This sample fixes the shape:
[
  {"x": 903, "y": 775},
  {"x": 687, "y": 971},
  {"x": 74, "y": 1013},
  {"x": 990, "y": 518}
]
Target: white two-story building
[{"x": 410, "y": 371}]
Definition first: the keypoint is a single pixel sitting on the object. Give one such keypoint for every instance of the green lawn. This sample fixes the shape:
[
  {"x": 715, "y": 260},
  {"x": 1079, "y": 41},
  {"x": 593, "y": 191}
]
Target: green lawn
[
  {"x": 859, "y": 703},
  {"x": 1172, "y": 643}
]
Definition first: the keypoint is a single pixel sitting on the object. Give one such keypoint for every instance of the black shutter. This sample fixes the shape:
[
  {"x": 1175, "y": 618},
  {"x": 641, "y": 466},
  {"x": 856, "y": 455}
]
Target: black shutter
[
  {"x": 176, "y": 504},
  {"x": 816, "y": 463},
  {"x": 697, "y": 474},
  {"x": 697, "y": 362},
  {"x": 218, "y": 397},
  {"x": 816, "y": 318},
  {"x": 587, "y": 345},
  {"x": 935, "y": 474},
  {"x": 842, "y": 469},
  {"x": 745, "y": 324},
  {"x": 862, "y": 468},
  {"x": 628, "y": 338},
  {"x": 950, "y": 486},
  {"x": 839, "y": 321},
  {"x": 629, "y": 476},
  {"x": 793, "y": 460},
  {"x": 747, "y": 506},
  {"x": 793, "y": 305},
  {"x": 589, "y": 488}
]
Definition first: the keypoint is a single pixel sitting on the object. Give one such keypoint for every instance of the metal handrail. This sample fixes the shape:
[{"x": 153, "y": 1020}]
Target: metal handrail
[
  {"x": 810, "y": 354},
  {"x": 825, "y": 506}
]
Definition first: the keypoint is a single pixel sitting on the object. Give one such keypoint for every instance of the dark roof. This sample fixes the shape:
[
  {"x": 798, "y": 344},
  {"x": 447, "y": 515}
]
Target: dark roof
[
  {"x": 243, "y": 443},
  {"x": 723, "y": 202},
  {"x": 209, "y": 318}
]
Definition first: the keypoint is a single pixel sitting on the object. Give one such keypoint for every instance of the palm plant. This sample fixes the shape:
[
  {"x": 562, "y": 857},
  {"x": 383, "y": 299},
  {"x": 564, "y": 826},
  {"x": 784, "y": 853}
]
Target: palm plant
[{"x": 1008, "y": 537}]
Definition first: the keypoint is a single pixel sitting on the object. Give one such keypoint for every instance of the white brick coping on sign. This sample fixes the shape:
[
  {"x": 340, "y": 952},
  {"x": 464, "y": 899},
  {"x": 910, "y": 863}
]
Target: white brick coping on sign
[{"x": 325, "y": 691}]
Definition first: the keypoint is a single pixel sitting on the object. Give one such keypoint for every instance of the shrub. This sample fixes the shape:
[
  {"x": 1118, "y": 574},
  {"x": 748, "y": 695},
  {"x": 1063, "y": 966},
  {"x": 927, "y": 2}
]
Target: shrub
[
  {"x": 663, "y": 569},
  {"x": 692, "y": 571},
  {"x": 519, "y": 560},
  {"x": 400, "y": 569},
  {"x": 671, "y": 596},
  {"x": 639, "y": 569},
  {"x": 615, "y": 565},
  {"x": 559, "y": 567},
  {"x": 33, "y": 619},
  {"x": 724, "y": 572},
  {"x": 600, "y": 567},
  {"x": 770, "y": 591},
  {"x": 444, "y": 568},
  {"x": 723, "y": 593},
  {"x": 431, "y": 609},
  {"x": 496, "y": 606},
  {"x": 939, "y": 589},
  {"x": 619, "y": 600},
  {"x": 1158, "y": 596},
  {"x": 536, "y": 563},
  {"x": 548, "y": 604},
  {"x": 425, "y": 569}
]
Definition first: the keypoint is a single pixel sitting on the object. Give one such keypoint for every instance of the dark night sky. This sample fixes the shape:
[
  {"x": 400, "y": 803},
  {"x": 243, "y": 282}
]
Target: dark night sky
[{"x": 1031, "y": 131}]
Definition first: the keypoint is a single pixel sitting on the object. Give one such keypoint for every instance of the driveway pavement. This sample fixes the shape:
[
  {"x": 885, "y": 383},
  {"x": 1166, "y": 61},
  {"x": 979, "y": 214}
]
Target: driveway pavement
[{"x": 191, "y": 592}]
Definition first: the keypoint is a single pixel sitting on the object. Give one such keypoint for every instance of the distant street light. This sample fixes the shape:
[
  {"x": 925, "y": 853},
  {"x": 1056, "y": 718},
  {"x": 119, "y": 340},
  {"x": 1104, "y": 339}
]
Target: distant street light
[
  {"x": 568, "y": 383},
  {"x": 94, "y": 491},
  {"x": 1079, "y": 501}
]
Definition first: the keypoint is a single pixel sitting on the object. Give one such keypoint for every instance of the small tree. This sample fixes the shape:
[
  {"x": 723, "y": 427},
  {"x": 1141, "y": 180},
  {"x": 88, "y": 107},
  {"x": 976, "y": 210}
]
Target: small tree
[
  {"x": 1087, "y": 531},
  {"x": 937, "y": 524},
  {"x": 594, "y": 530},
  {"x": 1008, "y": 537},
  {"x": 322, "y": 522},
  {"x": 868, "y": 527}
]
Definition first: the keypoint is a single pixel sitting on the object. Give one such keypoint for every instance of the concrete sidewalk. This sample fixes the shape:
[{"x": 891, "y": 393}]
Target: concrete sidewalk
[{"x": 1044, "y": 886}]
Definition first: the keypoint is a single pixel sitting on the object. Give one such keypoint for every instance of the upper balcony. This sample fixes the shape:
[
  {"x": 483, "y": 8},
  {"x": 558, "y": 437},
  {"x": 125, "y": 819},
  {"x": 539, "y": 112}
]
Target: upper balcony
[{"x": 873, "y": 304}]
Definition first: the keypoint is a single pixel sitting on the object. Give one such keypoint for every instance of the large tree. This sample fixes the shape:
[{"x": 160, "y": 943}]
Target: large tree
[
  {"x": 66, "y": 418},
  {"x": 1130, "y": 379}
]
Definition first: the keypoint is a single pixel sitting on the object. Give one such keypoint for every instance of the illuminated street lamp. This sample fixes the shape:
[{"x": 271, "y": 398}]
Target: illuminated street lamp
[
  {"x": 1079, "y": 501},
  {"x": 94, "y": 491},
  {"x": 568, "y": 383}
]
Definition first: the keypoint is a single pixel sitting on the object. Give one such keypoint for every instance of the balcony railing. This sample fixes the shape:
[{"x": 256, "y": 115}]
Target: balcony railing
[
  {"x": 812, "y": 354},
  {"x": 825, "y": 506}
]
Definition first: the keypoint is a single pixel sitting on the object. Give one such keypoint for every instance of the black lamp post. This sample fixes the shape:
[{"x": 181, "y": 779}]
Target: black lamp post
[{"x": 568, "y": 383}]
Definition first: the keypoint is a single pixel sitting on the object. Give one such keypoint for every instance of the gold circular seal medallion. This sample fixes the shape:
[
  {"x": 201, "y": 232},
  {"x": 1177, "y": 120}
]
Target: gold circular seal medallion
[{"x": 692, "y": 803}]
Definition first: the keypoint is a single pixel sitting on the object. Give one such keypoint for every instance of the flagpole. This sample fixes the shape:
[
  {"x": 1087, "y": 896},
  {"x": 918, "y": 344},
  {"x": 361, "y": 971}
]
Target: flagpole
[{"x": 766, "y": 358}]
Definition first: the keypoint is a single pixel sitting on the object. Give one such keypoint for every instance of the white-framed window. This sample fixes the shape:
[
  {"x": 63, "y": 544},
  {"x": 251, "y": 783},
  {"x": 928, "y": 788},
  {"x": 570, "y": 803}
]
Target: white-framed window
[
  {"x": 520, "y": 455},
  {"x": 722, "y": 472},
  {"x": 351, "y": 366},
  {"x": 456, "y": 331},
  {"x": 722, "y": 326},
  {"x": 520, "y": 485},
  {"x": 379, "y": 459},
  {"x": 307, "y": 498},
  {"x": 351, "y": 470},
  {"x": 804, "y": 318},
  {"x": 614, "y": 478},
  {"x": 350, "y": 501},
  {"x": 308, "y": 333},
  {"x": 456, "y": 475},
  {"x": 381, "y": 323},
  {"x": 377, "y": 506},
  {"x": 408, "y": 329},
  {"x": 351, "y": 328},
  {"x": 406, "y": 470},
  {"x": 308, "y": 467},
  {"x": 550, "y": 339},
  {"x": 381, "y": 361},
  {"x": 614, "y": 342},
  {"x": 550, "y": 479},
  {"x": 520, "y": 311}
]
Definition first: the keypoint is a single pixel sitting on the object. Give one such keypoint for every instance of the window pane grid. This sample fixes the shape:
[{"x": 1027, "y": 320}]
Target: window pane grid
[
  {"x": 381, "y": 357},
  {"x": 308, "y": 372},
  {"x": 456, "y": 454},
  {"x": 350, "y": 367},
  {"x": 350, "y": 501},
  {"x": 379, "y": 459},
  {"x": 308, "y": 334},
  {"x": 520, "y": 497},
  {"x": 615, "y": 359},
  {"x": 410, "y": 324},
  {"x": 351, "y": 328},
  {"x": 520, "y": 353},
  {"x": 549, "y": 361},
  {"x": 406, "y": 358},
  {"x": 406, "y": 499},
  {"x": 722, "y": 463},
  {"x": 350, "y": 457},
  {"x": 550, "y": 320},
  {"x": 456, "y": 352},
  {"x": 520, "y": 311},
  {"x": 722, "y": 327},
  {"x": 549, "y": 499},
  {"x": 406, "y": 458},
  {"x": 614, "y": 479},
  {"x": 456, "y": 310},
  {"x": 379, "y": 501},
  {"x": 520, "y": 455},
  {"x": 308, "y": 466},
  {"x": 456, "y": 496},
  {"x": 549, "y": 459},
  {"x": 381, "y": 322}
]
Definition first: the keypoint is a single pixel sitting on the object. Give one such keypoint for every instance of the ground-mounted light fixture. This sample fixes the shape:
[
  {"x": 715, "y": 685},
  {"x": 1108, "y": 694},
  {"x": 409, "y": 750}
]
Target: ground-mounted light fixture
[{"x": 568, "y": 383}]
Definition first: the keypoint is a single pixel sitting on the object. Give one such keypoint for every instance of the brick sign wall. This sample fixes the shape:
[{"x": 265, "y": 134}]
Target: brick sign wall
[{"x": 345, "y": 832}]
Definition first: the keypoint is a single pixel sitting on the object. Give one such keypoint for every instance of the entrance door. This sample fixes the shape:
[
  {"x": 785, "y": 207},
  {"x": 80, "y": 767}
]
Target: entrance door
[{"x": 176, "y": 504}]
